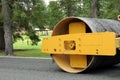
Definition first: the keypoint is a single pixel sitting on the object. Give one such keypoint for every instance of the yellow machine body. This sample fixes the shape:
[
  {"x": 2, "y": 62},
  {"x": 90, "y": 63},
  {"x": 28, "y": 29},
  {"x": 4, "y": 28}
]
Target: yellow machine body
[
  {"x": 75, "y": 51},
  {"x": 81, "y": 44}
]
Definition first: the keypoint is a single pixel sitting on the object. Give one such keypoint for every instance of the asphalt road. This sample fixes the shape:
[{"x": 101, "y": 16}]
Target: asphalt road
[{"x": 44, "y": 69}]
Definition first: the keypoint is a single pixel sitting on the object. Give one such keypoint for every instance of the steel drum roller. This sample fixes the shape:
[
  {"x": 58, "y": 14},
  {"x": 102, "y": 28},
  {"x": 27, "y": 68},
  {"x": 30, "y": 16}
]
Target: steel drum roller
[{"x": 92, "y": 25}]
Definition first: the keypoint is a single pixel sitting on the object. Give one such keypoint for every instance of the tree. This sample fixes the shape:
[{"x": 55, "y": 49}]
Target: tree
[
  {"x": 26, "y": 16},
  {"x": 7, "y": 27},
  {"x": 70, "y": 7},
  {"x": 39, "y": 14},
  {"x": 21, "y": 16},
  {"x": 109, "y": 9},
  {"x": 55, "y": 14},
  {"x": 94, "y": 8},
  {"x": 2, "y": 41}
]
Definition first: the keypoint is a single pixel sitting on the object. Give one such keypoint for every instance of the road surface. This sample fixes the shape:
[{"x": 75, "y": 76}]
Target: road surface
[{"x": 43, "y": 69}]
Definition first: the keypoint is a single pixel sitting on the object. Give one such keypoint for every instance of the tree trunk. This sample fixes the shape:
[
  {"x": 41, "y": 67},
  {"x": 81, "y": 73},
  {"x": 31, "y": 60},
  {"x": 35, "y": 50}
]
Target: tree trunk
[
  {"x": 94, "y": 8},
  {"x": 2, "y": 41},
  {"x": 7, "y": 28},
  {"x": 69, "y": 9}
]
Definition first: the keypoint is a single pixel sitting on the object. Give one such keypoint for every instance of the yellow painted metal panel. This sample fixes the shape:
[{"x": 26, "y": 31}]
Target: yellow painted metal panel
[
  {"x": 77, "y": 27},
  {"x": 52, "y": 44},
  {"x": 86, "y": 44},
  {"x": 78, "y": 61},
  {"x": 118, "y": 43}
]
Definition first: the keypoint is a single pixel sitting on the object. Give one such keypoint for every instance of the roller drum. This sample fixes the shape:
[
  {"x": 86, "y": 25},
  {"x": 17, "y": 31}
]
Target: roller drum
[{"x": 92, "y": 25}]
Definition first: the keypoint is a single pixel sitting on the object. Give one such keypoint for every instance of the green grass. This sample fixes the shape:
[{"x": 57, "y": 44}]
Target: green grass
[
  {"x": 1, "y": 53},
  {"x": 30, "y": 53},
  {"x": 25, "y": 49}
]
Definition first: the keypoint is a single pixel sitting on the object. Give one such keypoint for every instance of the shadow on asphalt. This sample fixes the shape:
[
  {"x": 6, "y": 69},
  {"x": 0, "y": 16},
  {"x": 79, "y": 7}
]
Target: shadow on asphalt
[{"x": 100, "y": 71}]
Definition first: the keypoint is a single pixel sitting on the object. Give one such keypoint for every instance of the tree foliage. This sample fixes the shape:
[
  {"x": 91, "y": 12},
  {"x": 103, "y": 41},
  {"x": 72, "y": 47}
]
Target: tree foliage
[
  {"x": 106, "y": 8},
  {"x": 55, "y": 14},
  {"x": 26, "y": 16},
  {"x": 71, "y": 7},
  {"x": 109, "y": 9},
  {"x": 39, "y": 14}
]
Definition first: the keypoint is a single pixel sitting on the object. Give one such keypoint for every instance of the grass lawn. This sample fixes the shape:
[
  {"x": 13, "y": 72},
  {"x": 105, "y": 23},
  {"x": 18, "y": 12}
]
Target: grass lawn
[{"x": 25, "y": 49}]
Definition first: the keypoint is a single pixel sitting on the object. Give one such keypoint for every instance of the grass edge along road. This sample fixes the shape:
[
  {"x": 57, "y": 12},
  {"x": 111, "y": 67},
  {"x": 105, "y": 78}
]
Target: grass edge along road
[{"x": 25, "y": 49}]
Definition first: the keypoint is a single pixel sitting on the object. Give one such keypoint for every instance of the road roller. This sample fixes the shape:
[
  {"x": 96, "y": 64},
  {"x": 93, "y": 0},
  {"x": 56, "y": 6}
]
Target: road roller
[{"x": 82, "y": 44}]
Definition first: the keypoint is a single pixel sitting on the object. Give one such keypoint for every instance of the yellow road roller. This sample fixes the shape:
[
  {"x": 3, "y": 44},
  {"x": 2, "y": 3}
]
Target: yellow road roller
[{"x": 83, "y": 44}]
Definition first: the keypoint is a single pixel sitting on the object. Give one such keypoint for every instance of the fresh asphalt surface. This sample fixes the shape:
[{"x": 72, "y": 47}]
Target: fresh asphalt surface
[{"x": 43, "y": 69}]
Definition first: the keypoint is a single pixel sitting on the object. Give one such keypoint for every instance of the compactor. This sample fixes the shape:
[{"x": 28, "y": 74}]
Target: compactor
[{"x": 82, "y": 44}]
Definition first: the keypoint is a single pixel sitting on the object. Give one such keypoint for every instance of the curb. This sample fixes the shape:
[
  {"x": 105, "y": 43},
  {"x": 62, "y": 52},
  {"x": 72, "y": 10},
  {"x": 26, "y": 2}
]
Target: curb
[{"x": 23, "y": 57}]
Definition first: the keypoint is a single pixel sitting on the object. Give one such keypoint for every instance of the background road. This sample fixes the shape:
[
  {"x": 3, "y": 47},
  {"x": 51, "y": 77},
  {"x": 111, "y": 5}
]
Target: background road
[{"x": 44, "y": 69}]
